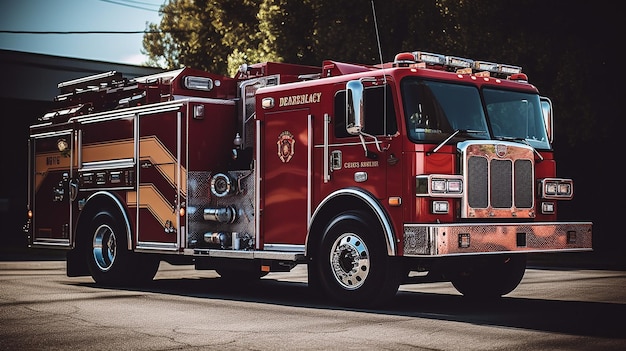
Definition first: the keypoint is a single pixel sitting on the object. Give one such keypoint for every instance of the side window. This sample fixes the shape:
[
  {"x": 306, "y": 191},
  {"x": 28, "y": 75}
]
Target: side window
[
  {"x": 376, "y": 103},
  {"x": 340, "y": 115}
]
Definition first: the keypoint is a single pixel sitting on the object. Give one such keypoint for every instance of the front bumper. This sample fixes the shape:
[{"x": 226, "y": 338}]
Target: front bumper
[{"x": 476, "y": 238}]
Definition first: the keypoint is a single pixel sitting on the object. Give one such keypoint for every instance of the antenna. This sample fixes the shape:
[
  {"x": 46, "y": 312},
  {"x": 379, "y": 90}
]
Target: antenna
[
  {"x": 380, "y": 51},
  {"x": 382, "y": 65}
]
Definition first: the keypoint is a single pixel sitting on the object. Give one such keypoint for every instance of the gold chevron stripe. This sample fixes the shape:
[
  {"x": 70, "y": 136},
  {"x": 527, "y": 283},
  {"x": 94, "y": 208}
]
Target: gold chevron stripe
[
  {"x": 152, "y": 149},
  {"x": 151, "y": 199},
  {"x": 107, "y": 151}
]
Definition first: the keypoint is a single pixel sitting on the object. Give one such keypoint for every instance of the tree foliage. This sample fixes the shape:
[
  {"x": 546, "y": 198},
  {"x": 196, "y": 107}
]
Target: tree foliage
[{"x": 548, "y": 39}]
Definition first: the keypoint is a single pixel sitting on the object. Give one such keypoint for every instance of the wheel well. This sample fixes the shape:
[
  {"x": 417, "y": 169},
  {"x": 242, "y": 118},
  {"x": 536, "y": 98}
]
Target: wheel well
[
  {"x": 354, "y": 200},
  {"x": 101, "y": 201}
]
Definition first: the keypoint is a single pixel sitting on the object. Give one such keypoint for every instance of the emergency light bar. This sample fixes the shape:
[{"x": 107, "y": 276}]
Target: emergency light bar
[
  {"x": 429, "y": 58},
  {"x": 457, "y": 63}
]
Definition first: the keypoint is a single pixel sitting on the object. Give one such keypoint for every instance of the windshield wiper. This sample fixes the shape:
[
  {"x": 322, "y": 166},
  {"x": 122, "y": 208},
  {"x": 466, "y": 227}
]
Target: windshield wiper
[{"x": 456, "y": 131}]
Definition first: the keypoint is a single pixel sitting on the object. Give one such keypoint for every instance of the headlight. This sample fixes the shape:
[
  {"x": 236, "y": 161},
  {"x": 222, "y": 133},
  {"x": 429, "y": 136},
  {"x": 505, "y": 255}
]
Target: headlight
[
  {"x": 556, "y": 188},
  {"x": 443, "y": 185}
]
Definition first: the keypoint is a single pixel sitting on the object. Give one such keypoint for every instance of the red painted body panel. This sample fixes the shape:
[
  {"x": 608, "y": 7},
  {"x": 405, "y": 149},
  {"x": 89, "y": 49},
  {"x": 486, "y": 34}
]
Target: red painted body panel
[{"x": 285, "y": 177}]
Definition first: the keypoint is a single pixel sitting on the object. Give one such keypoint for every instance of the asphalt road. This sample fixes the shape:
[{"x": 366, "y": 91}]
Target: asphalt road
[{"x": 183, "y": 309}]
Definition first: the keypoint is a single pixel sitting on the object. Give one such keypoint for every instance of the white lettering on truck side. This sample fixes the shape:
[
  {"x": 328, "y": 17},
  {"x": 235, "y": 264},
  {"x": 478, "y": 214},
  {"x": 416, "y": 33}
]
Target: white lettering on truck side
[
  {"x": 301, "y": 99},
  {"x": 362, "y": 164}
]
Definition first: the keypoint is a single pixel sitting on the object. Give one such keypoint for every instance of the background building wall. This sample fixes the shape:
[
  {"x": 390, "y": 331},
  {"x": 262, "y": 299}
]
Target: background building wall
[{"x": 27, "y": 89}]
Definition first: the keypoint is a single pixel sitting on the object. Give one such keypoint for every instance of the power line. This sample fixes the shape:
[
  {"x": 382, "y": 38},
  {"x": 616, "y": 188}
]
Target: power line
[
  {"x": 133, "y": 6},
  {"x": 77, "y": 32},
  {"x": 90, "y": 32}
]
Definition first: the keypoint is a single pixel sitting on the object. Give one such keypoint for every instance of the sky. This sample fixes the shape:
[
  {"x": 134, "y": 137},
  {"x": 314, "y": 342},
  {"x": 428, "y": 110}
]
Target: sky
[{"x": 79, "y": 15}]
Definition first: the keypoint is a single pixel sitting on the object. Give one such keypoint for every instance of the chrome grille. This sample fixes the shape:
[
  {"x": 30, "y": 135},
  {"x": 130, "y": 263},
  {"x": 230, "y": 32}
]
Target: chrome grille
[{"x": 498, "y": 180}]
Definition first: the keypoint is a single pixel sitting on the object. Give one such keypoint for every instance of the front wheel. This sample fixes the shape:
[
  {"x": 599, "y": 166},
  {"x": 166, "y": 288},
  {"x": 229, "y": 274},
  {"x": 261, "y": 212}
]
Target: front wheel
[{"x": 353, "y": 267}]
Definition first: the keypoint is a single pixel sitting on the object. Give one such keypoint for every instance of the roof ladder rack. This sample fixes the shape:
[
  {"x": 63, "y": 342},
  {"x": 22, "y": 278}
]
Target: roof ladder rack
[{"x": 90, "y": 82}]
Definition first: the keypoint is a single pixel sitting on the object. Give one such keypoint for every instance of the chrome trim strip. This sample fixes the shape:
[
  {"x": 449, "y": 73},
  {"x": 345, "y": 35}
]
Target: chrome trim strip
[
  {"x": 108, "y": 164},
  {"x": 326, "y": 150},
  {"x": 52, "y": 242},
  {"x": 373, "y": 203},
  {"x": 250, "y": 255},
  {"x": 129, "y": 112},
  {"x": 149, "y": 246},
  {"x": 179, "y": 142},
  {"x": 50, "y": 134},
  {"x": 284, "y": 247},
  {"x": 309, "y": 178},
  {"x": 257, "y": 187}
]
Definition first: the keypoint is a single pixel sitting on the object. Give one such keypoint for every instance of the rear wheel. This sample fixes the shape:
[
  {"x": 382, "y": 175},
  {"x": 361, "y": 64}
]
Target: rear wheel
[
  {"x": 108, "y": 258},
  {"x": 488, "y": 277},
  {"x": 353, "y": 267}
]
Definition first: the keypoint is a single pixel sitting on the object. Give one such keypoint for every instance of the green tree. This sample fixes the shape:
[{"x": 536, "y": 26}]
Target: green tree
[
  {"x": 220, "y": 35},
  {"x": 553, "y": 43},
  {"x": 201, "y": 34}
]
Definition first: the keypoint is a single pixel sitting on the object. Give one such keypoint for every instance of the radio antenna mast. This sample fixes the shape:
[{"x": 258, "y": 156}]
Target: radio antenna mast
[
  {"x": 382, "y": 66},
  {"x": 380, "y": 51}
]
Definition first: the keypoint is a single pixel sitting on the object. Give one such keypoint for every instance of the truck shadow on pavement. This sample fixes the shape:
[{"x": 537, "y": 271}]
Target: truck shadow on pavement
[{"x": 595, "y": 319}]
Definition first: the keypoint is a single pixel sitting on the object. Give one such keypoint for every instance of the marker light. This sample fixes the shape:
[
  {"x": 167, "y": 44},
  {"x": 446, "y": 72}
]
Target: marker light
[
  {"x": 464, "y": 240},
  {"x": 440, "y": 207},
  {"x": 198, "y": 112},
  {"x": 394, "y": 201},
  {"x": 62, "y": 145},
  {"x": 198, "y": 83},
  {"x": 547, "y": 207}
]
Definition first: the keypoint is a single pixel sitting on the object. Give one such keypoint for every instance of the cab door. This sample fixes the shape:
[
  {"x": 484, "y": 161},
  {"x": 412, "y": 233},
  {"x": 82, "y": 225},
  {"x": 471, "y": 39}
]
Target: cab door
[
  {"x": 286, "y": 177},
  {"x": 51, "y": 187},
  {"x": 161, "y": 175}
]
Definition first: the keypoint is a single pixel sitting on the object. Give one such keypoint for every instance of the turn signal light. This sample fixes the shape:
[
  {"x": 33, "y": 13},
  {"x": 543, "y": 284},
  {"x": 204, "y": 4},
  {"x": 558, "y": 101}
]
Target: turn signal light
[{"x": 395, "y": 201}]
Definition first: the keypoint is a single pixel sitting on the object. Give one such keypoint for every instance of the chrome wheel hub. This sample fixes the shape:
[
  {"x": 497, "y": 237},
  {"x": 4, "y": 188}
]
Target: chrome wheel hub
[
  {"x": 104, "y": 247},
  {"x": 350, "y": 261}
]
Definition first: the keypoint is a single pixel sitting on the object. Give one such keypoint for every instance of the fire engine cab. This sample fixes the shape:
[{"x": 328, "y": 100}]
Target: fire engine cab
[{"x": 431, "y": 163}]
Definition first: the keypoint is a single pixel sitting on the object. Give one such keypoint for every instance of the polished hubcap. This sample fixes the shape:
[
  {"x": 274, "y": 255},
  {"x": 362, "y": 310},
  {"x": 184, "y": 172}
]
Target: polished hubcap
[
  {"x": 350, "y": 261},
  {"x": 104, "y": 247}
]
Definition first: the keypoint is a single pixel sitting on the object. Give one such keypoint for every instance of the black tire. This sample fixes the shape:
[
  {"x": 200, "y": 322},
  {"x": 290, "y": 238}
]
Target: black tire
[
  {"x": 108, "y": 258},
  {"x": 488, "y": 277},
  {"x": 145, "y": 267},
  {"x": 353, "y": 267}
]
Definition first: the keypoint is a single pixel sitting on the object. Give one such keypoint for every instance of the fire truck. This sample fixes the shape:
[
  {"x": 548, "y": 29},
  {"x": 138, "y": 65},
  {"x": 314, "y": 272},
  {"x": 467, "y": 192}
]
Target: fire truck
[{"x": 366, "y": 174}]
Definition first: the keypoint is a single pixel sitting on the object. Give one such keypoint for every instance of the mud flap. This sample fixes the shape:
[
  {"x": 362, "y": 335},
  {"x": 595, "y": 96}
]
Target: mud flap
[{"x": 76, "y": 265}]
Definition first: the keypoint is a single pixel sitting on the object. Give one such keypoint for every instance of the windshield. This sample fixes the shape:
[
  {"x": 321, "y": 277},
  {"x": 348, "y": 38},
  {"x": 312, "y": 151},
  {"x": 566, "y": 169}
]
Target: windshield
[
  {"x": 435, "y": 110},
  {"x": 516, "y": 115}
]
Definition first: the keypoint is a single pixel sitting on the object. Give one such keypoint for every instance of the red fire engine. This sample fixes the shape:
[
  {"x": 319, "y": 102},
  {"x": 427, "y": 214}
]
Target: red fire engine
[{"x": 431, "y": 163}]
